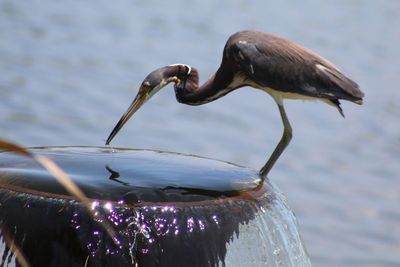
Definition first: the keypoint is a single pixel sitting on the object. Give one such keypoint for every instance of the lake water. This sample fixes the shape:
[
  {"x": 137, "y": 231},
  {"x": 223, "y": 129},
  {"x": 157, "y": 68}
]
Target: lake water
[{"x": 69, "y": 70}]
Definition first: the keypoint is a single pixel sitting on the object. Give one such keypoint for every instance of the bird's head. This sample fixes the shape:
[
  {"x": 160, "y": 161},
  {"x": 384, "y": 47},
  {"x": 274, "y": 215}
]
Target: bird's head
[{"x": 180, "y": 74}]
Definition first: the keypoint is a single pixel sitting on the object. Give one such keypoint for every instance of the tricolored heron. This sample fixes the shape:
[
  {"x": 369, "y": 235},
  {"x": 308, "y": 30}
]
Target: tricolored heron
[{"x": 280, "y": 67}]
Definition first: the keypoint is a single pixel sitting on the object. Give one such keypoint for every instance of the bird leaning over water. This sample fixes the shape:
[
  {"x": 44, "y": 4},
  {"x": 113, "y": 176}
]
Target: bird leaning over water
[{"x": 280, "y": 67}]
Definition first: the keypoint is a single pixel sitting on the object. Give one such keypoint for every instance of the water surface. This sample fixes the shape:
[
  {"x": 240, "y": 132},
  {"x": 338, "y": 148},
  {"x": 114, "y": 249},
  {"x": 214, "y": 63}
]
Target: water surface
[
  {"x": 69, "y": 70},
  {"x": 159, "y": 209}
]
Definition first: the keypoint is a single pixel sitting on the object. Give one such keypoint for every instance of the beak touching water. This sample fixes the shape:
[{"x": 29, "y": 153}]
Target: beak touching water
[
  {"x": 153, "y": 83},
  {"x": 139, "y": 100}
]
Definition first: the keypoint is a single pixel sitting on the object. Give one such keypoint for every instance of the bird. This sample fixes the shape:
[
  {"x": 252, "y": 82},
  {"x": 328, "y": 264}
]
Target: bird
[{"x": 275, "y": 65}]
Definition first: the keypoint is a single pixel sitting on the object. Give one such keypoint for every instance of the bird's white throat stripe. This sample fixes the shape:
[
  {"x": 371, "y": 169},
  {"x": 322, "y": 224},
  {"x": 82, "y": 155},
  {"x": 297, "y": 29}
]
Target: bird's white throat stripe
[
  {"x": 238, "y": 81},
  {"x": 181, "y": 64}
]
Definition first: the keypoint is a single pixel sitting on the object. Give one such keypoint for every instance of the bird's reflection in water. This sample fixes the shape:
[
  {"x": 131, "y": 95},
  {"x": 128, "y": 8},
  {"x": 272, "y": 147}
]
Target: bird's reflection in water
[{"x": 115, "y": 176}]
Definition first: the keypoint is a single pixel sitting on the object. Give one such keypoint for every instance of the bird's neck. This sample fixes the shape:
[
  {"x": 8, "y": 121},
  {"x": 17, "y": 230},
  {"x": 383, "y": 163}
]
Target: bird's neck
[{"x": 218, "y": 85}]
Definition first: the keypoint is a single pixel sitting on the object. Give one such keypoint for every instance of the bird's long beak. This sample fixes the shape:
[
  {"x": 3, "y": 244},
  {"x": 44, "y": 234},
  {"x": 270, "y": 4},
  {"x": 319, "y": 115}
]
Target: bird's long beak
[
  {"x": 153, "y": 83},
  {"x": 139, "y": 100}
]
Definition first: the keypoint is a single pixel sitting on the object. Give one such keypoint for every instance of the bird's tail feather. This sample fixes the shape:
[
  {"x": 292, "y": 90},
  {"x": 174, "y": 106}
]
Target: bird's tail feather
[{"x": 336, "y": 103}]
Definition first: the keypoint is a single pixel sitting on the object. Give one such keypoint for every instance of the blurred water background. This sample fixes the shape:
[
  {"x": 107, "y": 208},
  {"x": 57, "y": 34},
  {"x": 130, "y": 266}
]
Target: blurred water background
[{"x": 68, "y": 70}]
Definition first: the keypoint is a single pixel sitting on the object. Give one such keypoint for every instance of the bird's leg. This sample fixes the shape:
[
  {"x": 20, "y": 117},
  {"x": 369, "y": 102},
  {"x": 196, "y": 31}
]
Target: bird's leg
[{"x": 285, "y": 140}]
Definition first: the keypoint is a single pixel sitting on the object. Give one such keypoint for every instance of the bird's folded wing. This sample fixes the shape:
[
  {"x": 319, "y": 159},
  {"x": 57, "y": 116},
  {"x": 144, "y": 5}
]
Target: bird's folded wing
[{"x": 293, "y": 69}]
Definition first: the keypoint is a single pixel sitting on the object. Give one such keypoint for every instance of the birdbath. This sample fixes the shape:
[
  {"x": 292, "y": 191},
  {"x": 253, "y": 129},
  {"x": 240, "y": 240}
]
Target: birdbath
[{"x": 148, "y": 208}]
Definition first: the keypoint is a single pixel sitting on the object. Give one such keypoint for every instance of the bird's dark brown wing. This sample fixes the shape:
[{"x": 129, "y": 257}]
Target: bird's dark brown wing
[{"x": 285, "y": 66}]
